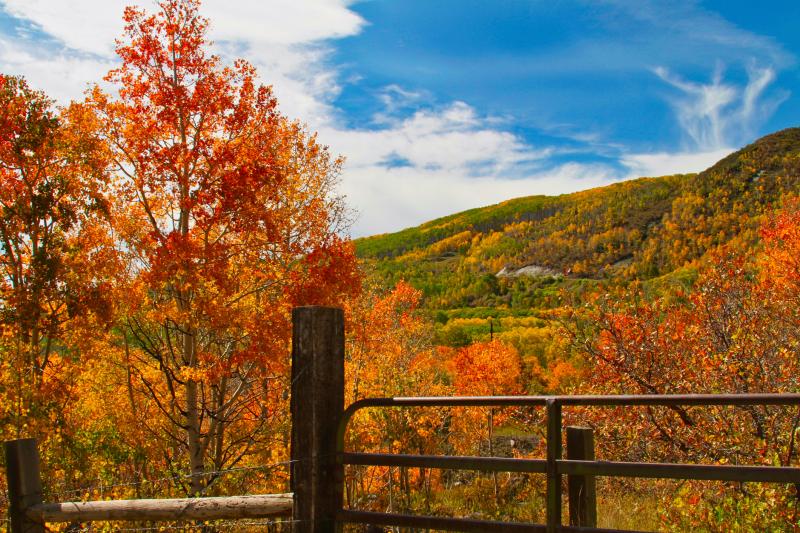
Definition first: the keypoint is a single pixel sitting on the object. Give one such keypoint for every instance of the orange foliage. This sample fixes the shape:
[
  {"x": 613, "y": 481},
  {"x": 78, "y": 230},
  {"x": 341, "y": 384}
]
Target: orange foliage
[
  {"x": 486, "y": 369},
  {"x": 736, "y": 332},
  {"x": 51, "y": 193}
]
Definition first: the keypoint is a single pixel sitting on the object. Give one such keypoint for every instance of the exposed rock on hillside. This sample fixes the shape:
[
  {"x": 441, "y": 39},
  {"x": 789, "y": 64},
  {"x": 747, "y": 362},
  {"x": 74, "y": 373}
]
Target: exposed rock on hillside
[{"x": 534, "y": 271}]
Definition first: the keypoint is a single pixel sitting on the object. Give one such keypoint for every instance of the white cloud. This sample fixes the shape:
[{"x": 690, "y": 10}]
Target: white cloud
[
  {"x": 406, "y": 196},
  {"x": 299, "y": 75},
  {"x": 453, "y": 139},
  {"x": 437, "y": 162},
  {"x": 285, "y": 39},
  {"x": 718, "y": 114},
  {"x": 665, "y": 163},
  {"x": 87, "y": 26},
  {"x": 288, "y": 41},
  {"x": 61, "y": 75},
  {"x": 92, "y": 25},
  {"x": 285, "y": 22}
]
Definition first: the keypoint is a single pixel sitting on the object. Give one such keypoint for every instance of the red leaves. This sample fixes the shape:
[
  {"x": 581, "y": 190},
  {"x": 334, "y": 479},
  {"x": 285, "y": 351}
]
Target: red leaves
[{"x": 328, "y": 275}]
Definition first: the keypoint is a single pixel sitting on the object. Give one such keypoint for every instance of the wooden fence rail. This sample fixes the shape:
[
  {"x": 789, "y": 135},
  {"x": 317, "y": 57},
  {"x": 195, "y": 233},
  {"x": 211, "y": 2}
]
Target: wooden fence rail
[
  {"x": 214, "y": 508},
  {"x": 318, "y": 456}
]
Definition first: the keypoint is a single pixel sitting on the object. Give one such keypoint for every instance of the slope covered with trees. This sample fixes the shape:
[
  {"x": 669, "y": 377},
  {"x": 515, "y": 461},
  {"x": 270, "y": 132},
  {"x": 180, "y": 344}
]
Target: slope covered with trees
[
  {"x": 514, "y": 257},
  {"x": 653, "y": 225}
]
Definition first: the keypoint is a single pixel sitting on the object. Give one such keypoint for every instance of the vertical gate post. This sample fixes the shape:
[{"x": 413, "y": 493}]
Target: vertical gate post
[
  {"x": 24, "y": 484},
  {"x": 317, "y": 403},
  {"x": 553, "y": 454},
  {"x": 582, "y": 494}
]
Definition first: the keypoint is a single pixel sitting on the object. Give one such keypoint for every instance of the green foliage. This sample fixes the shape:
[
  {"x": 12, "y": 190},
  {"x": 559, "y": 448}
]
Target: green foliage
[
  {"x": 753, "y": 508},
  {"x": 479, "y": 219}
]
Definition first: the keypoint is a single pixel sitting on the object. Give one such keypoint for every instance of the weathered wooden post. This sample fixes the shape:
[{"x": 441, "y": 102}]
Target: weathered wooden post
[
  {"x": 24, "y": 484},
  {"x": 317, "y": 403},
  {"x": 581, "y": 489}
]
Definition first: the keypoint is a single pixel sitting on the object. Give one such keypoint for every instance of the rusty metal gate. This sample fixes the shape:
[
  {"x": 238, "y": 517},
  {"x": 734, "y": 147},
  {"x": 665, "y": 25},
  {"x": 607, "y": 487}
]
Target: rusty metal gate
[{"x": 554, "y": 466}]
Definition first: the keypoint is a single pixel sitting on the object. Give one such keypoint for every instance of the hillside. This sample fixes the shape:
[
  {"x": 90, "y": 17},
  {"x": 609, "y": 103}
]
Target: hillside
[
  {"x": 586, "y": 234},
  {"x": 514, "y": 257}
]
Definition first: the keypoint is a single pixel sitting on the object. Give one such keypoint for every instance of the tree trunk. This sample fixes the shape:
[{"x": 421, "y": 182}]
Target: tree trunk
[{"x": 193, "y": 420}]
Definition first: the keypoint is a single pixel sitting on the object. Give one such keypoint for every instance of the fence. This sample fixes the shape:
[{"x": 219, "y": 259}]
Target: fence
[
  {"x": 579, "y": 466},
  {"x": 318, "y": 456},
  {"x": 316, "y": 403}
]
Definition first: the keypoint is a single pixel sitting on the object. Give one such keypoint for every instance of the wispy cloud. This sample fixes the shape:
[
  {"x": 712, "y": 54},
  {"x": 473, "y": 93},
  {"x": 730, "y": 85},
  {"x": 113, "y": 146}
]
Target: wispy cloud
[
  {"x": 397, "y": 100},
  {"x": 687, "y": 33},
  {"x": 716, "y": 117},
  {"x": 720, "y": 114}
]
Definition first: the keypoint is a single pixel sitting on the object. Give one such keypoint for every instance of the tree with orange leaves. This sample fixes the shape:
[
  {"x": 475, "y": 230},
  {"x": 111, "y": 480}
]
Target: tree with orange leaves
[
  {"x": 51, "y": 181},
  {"x": 487, "y": 369},
  {"x": 483, "y": 369},
  {"x": 389, "y": 353},
  {"x": 226, "y": 213}
]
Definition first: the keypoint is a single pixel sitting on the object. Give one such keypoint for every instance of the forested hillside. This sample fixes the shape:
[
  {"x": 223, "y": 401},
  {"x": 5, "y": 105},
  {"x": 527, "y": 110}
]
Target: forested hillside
[
  {"x": 458, "y": 260},
  {"x": 514, "y": 254}
]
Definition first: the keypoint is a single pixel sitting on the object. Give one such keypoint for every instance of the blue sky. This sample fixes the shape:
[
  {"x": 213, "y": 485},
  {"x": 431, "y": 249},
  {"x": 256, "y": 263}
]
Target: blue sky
[{"x": 444, "y": 105}]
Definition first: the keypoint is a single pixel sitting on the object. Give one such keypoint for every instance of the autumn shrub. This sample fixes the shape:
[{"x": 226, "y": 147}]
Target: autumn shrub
[{"x": 735, "y": 332}]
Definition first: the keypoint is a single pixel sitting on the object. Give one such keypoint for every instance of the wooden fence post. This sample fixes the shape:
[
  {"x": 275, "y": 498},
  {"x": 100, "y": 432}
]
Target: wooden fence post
[
  {"x": 24, "y": 484},
  {"x": 582, "y": 495},
  {"x": 317, "y": 403}
]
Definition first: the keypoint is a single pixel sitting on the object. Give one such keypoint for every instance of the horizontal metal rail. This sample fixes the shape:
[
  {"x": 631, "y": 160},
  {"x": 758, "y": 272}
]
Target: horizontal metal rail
[
  {"x": 456, "y": 524},
  {"x": 554, "y": 466},
  {"x": 763, "y": 474},
  {"x": 584, "y": 400},
  {"x": 488, "y": 464},
  {"x": 760, "y": 474}
]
